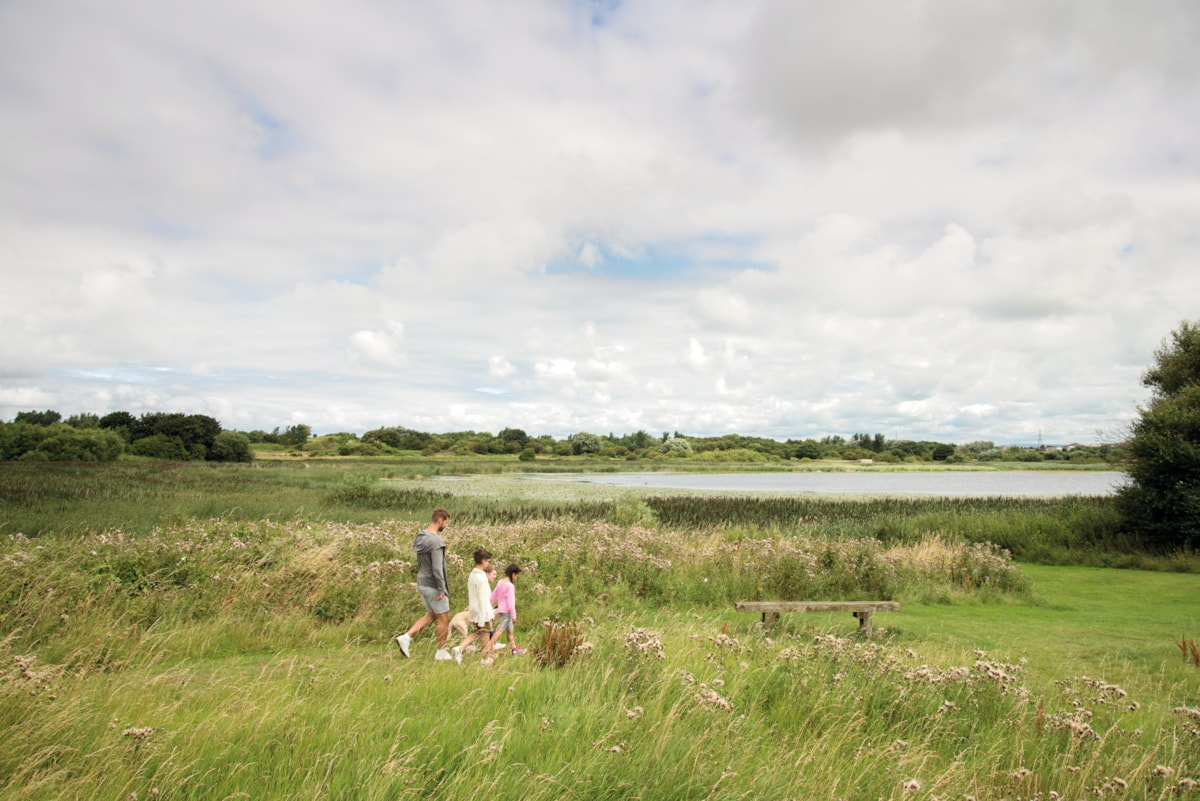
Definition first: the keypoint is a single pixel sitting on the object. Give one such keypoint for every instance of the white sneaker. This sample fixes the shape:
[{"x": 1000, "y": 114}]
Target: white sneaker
[
  {"x": 500, "y": 646},
  {"x": 487, "y": 661},
  {"x": 442, "y": 655},
  {"x": 457, "y": 655},
  {"x": 404, "y": 641}
]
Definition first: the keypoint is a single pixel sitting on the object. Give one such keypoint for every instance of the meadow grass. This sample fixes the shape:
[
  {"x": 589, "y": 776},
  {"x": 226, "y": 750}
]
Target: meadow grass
[
  {"x": 220, "y": 659},
  {"x": 720, "y": 709},
  {"x": 229, "y": 636}
]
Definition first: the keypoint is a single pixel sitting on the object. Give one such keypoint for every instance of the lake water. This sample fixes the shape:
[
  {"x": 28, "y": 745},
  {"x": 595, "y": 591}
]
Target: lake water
[{"x": 985, "y": 484}]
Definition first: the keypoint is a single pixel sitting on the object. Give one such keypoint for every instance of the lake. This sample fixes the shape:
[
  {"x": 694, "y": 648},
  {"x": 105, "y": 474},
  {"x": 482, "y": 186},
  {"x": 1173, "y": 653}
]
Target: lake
[{"x": 965, "y": 483}]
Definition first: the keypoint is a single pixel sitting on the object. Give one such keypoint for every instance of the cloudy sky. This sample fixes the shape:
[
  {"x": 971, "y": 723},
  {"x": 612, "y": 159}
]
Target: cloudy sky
[{"x": 924, "y": 218}]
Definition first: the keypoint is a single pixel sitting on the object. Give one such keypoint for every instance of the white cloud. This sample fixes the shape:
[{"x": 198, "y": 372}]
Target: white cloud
[
  {"x": 500, "y": 367},
  {"x": 776, "y": 218},
  {"x": 380, "y": 348}
]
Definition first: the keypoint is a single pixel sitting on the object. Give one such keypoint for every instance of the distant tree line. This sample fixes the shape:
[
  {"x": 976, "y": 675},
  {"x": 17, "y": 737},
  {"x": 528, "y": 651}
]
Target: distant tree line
[
  {"x": 641, "y": 445},
  {"x": 46, "y": 436}
]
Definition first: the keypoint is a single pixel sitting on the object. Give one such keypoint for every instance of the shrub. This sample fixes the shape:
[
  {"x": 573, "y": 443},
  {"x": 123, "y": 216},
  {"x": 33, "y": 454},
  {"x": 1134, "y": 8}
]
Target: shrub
[
  {"x": 159, "y": 446},
  {"x": 231, "y": 446}
]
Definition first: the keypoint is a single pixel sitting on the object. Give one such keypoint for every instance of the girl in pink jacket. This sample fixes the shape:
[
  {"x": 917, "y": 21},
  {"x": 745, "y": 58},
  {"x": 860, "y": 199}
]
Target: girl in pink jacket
[{"x": 504, "y": 597}]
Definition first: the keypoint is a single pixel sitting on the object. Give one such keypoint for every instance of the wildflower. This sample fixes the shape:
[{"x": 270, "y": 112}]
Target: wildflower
[
  {"x": 645, "y": 643},
  {"x": 138, "y": 734},
  {"x": 1161, "y": 770},
  {"x": 711, "y": 699},
  {"x": 635, "y": 713},
  {"x": 911, "y": 785}
]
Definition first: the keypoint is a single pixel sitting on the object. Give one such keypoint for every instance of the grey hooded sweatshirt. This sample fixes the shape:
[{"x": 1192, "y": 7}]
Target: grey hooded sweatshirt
[{"x": 431, "y": 561}]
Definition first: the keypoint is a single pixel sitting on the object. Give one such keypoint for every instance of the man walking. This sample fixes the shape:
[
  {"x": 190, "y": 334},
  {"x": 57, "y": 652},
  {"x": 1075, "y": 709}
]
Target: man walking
[{"x": 432, "y": 584}]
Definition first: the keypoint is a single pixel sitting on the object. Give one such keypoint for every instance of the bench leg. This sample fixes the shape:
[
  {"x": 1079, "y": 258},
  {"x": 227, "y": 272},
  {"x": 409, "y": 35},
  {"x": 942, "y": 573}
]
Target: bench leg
[
  {"x": 864, "y": 622},
  {"x": 769, "y": 618}
]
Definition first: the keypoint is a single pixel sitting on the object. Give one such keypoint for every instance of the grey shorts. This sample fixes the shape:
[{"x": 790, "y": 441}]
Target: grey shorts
[
  {"x": 429, "y": 596},
  {"x": 504, "y": 622}
]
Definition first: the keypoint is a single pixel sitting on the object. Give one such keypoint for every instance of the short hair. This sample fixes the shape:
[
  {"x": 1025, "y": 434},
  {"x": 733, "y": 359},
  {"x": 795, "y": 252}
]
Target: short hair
[
  {"x": 482, "y": 556},
  {"x": 440, "y": 514},
  {"x": 512, "y": 570}
]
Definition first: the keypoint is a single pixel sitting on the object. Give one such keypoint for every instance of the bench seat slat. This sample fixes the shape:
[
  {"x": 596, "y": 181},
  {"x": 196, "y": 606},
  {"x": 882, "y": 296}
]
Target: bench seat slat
[{"x": 818, "y": 606}]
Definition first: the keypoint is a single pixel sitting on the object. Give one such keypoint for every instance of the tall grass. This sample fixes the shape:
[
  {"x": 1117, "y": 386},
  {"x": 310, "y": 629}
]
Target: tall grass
[
  {"x": 187, "y": 656},
  {"x": 716, "y": 711}
]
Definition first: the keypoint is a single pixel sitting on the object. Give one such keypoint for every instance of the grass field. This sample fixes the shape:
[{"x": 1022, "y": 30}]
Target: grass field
[{"x": 246, "y": 657}]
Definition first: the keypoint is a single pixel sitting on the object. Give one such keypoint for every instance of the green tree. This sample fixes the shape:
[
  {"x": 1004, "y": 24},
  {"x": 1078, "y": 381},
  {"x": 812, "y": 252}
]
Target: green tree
[
  {"x": 1161, "y": 504},
  {"x": 510, "y": 436},
  {"x": 121, "y": 422},
  {"x": 942, "y": 452},
  {"x": 808, "y": 449},
  {"x": 83, "y": 420},
  {"x": 583, "y": 442},
  {"x": 676, "y": 445},
  {"x": 46, "y": 418},
  {"x": 296, "y": 436}
]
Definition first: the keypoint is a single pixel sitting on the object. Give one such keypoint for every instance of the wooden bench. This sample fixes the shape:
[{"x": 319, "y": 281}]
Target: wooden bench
[{"x": 861, "y": 609}]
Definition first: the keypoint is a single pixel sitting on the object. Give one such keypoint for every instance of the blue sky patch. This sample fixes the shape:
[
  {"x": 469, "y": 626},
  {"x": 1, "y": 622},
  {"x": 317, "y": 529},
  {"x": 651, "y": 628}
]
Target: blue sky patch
[{"x": 659, "y": 261}]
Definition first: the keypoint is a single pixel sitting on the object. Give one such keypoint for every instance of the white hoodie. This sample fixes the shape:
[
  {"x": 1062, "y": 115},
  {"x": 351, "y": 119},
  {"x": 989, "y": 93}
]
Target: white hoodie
[{"x": 479, "y": 597}]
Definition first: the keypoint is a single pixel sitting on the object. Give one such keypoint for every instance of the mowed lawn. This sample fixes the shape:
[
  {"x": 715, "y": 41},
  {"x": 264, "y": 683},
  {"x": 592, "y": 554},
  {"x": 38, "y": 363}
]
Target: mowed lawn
[{"x": 1085, "y": 620}]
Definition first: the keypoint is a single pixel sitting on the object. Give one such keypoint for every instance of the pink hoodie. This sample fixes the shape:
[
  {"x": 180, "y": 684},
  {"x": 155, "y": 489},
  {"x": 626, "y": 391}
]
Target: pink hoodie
[{"x": 505, "y": 598}]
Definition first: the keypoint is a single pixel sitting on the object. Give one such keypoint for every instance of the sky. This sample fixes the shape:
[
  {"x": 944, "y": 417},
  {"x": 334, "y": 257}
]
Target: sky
[{"x": 780, "y": 218}]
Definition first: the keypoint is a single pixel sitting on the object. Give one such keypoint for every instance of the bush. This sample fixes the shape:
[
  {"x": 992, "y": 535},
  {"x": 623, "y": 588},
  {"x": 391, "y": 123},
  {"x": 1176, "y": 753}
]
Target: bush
[
  {"x": 58, "y": 442},
  {"x": 160, "y": 446},
  {"x": 676, "y": 445},
  {"x": 231, "y": 446}
]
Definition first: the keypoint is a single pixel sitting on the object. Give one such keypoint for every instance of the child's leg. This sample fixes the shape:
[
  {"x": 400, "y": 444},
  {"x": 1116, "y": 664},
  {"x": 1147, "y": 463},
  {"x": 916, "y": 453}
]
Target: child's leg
[{"x": 486, "y": 637}]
